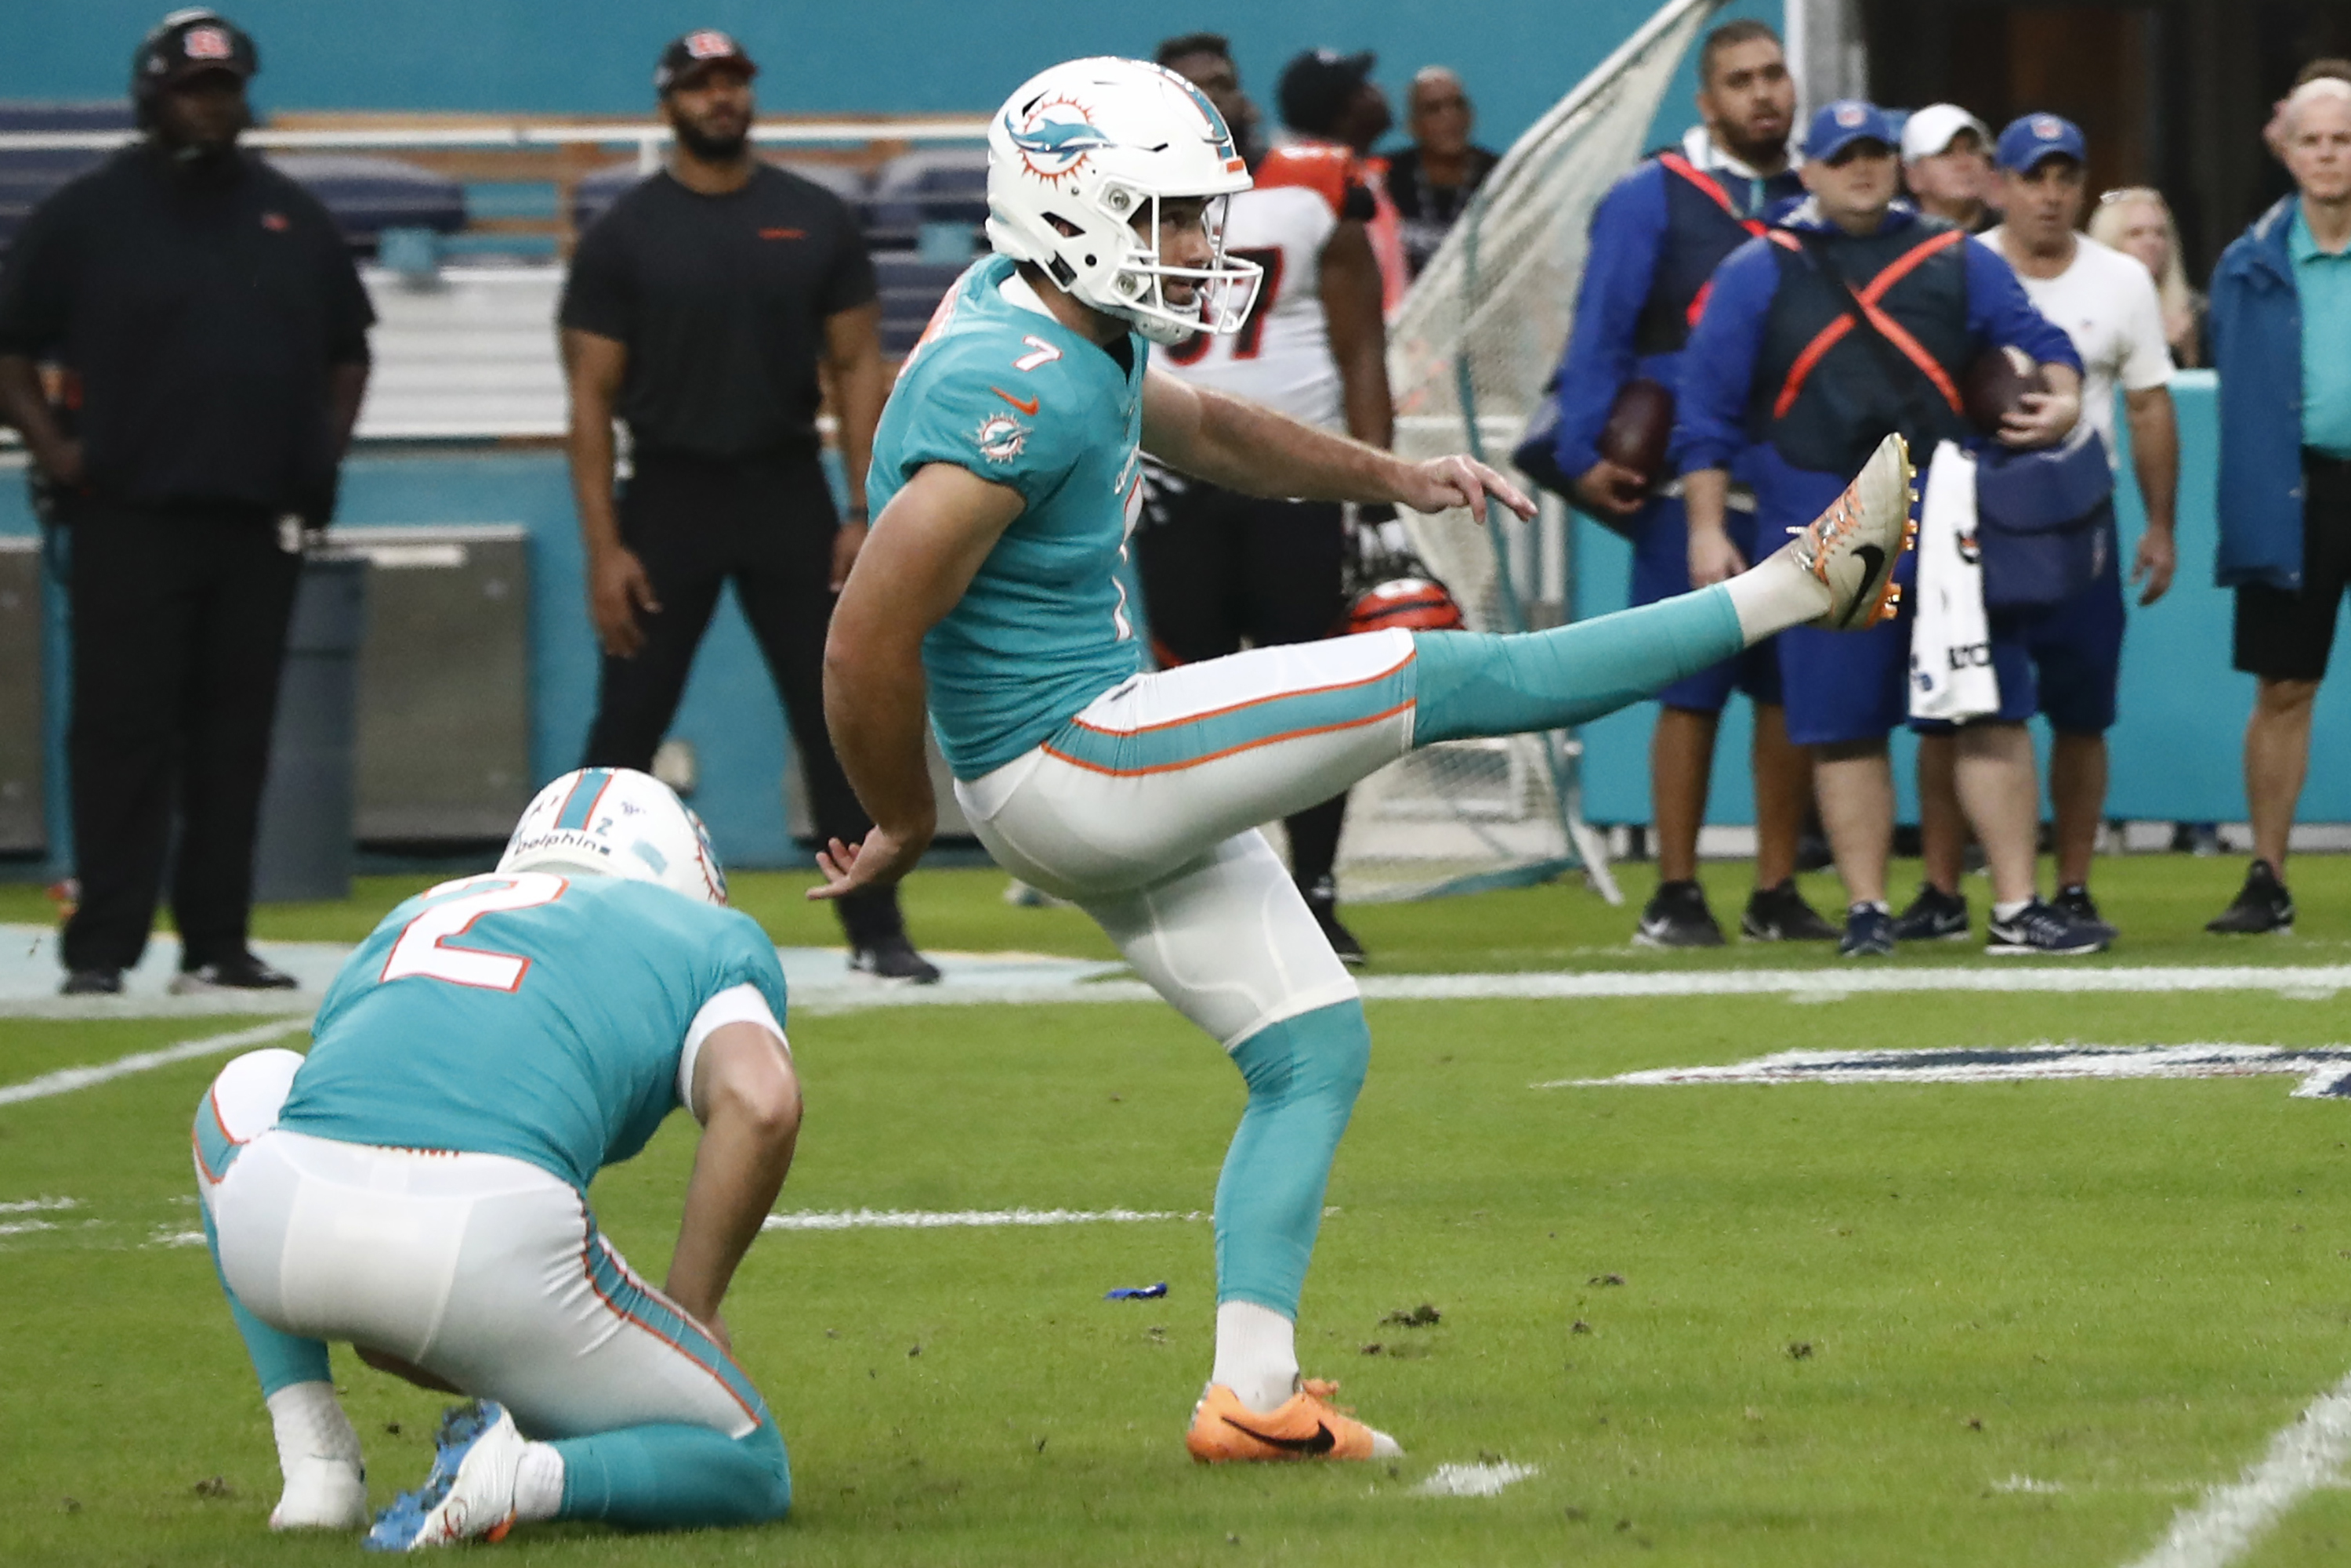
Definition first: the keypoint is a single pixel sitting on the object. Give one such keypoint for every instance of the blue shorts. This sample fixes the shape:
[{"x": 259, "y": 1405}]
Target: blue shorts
[
  {"x": 1846, "y": 687},
  {"x": 1661, "y": 570},
  {"x": 2064, "y": 661}
]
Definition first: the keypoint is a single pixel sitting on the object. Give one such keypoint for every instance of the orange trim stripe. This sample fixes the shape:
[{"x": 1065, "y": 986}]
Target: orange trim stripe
[
  {"x": 587, "y": 1268},
  {"x": 1229, "y": 750},
  {"x": 1253, "y": 702}
]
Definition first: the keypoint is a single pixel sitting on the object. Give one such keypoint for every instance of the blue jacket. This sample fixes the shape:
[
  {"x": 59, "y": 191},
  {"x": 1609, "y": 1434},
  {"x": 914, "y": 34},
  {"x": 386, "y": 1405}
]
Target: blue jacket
[
  {"x": 2257, "y": 348},
  {"x": 1620, "y": 268},
  {"x": 1718, "y": 371}
]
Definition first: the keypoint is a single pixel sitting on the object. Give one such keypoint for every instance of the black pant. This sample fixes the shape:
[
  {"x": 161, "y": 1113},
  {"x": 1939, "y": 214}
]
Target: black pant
[
  {"x": 769, "y": 523},
  {"x": 179, "y": 631},
  {"x": 1217, "y": 568},
  {"x": 2287, "y": 634}
]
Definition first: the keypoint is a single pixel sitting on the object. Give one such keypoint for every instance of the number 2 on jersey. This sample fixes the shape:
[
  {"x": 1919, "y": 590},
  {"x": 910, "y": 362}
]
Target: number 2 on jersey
[
  {"x": 421, "y": 950},
  {"x": 1245, "y": 341}
]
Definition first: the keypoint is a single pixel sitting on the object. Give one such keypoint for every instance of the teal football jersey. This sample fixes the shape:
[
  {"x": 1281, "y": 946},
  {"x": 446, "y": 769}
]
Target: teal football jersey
[
  {"x": 532, "y": 1015},
  {"x": 1019, "y": 400}
]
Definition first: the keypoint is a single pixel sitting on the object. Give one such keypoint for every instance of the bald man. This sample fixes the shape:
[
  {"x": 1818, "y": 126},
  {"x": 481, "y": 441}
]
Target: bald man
[
  {"x": 2281, "y": 341},
  {"x": 1431, "y": 181}
]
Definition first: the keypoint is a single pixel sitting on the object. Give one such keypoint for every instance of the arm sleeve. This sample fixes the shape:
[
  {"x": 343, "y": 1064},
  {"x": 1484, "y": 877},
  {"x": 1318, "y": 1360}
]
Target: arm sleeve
[
  {"x": 744, "y": 1003},
  {"x": 1719, "y": 366},
  {"x": 597, "y": 294},
  {"x": 851, "y": 282},
  {"x": 966, "y": 413},
  {"x": 2147, "y": 356},
  {"x": 36, "y": 289},
  {"x": 1999, "y": 314},
  {"x": 1619, "y": 265}
]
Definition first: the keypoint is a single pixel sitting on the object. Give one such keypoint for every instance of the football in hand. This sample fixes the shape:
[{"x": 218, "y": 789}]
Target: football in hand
[
  {"x": 1639, "y": 428},
  {"x": 1996, "y": 386}
]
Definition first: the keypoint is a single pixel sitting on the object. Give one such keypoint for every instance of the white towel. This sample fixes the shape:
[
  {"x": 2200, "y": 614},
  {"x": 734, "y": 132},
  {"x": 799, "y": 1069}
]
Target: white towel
[{"x": 1951, "y": 676}]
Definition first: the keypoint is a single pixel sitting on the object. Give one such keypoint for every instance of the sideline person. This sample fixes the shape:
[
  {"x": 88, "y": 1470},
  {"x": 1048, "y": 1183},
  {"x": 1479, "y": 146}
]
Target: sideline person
[
  {"x": 2281, "y": 342},
  {"x": 703, "y": 311},
  {"x": 1656, "y": 238},
  {"x": 2069, "y": 654},
  {"x": 213, "y": 332}
]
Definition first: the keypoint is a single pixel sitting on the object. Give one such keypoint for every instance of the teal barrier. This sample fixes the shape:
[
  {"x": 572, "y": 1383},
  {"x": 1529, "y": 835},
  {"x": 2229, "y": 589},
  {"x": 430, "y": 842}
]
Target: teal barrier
[{"x": 2177, "y": 745}]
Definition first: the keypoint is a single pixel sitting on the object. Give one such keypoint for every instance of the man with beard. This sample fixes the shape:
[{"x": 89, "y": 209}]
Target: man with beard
[
  {"x": 211, "y": 333},
  {"x": 704, "y": 310},
  {"x": 1657, "y": 239}
]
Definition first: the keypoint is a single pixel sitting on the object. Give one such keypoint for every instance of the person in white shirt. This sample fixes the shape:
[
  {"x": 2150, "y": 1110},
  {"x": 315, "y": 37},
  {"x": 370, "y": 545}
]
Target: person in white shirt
[{"x": 2107, "y": 303}]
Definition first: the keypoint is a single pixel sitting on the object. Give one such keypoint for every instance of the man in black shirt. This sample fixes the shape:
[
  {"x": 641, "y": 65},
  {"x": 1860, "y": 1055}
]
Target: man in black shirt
[
  {"x": 700, "y": 311},
  {"x": 210, "y": 334}
]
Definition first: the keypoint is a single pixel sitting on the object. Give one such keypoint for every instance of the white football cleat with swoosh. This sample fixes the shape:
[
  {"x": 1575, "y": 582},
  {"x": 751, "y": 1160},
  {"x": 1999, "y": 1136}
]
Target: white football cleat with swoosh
[{"x": 1853, "y": 546}]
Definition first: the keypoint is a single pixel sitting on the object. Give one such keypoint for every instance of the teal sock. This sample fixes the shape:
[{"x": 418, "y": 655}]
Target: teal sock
[
  {"x": 280, "y": 1359},
  {"x": 1473, "y": 683},
  {"x": 1303, "y": 1075},
  {"x": 676, "y": 1477}
]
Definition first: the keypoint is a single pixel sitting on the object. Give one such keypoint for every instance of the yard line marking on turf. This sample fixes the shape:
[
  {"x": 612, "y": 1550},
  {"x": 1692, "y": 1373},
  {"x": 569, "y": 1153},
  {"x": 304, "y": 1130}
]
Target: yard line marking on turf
[
  {"x": 40, "y": 1205},
  {"x": 2303, "y": 1457},
  {"x": 1473, "y": 1480},
  {"x": 903, "y": 1219},
  {"x": 2325, "y": 1070},
  {"x": 2305, "y": 982},
  {"x": 67, "y": 1079}
]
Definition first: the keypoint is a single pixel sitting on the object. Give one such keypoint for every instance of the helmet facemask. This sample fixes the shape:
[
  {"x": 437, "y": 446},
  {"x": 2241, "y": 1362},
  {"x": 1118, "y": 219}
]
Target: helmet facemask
[{"x": 1221, "y": 290}]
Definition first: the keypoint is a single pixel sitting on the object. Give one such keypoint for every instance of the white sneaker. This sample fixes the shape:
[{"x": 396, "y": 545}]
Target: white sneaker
[
  {"x": 1853, "y": 547},
  {"x": 469, "y": 1496},
  {"x": 322, "y": 1494}
]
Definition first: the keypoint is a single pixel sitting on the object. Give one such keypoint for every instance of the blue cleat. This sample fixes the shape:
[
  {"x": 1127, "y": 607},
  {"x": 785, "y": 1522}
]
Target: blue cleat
[{"x": 470, "y": 1493}]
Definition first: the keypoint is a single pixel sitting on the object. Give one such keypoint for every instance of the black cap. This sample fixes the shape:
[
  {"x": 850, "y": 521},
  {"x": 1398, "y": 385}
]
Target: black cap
[
  {"x": 1317, "y": 86},
  {"x": 188, "y": 44},
  {"x": 688, "y": 57}
]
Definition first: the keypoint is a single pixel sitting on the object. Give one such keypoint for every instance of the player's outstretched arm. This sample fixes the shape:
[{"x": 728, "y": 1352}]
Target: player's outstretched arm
[
  {"x": 924, "y": 551},
  {"x": 748, "y": 1099},
  {"x": 1243, "y": 446}
]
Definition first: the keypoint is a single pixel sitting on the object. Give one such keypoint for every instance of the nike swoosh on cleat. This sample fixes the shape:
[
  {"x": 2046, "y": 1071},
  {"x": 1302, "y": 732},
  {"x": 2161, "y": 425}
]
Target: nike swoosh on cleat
[
  {"x": 1323, "y": 1442},
  {"x": 1872, "y": 560},
  {"x": 1026, "y": 405}
]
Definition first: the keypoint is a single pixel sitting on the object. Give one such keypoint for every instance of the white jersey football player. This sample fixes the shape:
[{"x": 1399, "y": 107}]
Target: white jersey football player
[
  {"x": 1221, "y": 571},
  {"x": 1005, "y": 476}
]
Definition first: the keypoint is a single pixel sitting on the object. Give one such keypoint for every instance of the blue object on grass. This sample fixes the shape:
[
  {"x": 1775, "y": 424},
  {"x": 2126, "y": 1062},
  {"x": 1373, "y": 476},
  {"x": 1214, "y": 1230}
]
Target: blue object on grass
[{"x": 1136, "y": 1292}]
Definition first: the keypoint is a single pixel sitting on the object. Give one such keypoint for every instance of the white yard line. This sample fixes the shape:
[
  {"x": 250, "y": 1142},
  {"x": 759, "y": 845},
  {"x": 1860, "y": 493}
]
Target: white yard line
[
  {"x": 905, "y": 1219},
  {"x": 1473, "y": 1480},
  {"x": 67, "y": 1079},
  {"x": 2322, "y": 1069},
  {"x": 2303, "y": 1457}
]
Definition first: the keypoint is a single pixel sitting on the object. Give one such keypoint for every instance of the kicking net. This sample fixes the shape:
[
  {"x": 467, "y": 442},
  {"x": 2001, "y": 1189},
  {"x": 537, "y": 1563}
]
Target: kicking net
[{"x": 1469, "y": 353}]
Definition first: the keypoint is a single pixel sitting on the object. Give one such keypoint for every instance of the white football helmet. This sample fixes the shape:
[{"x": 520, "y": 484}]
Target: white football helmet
[
  {"x": 1088, "y": 149},
  {"x": 616, "y": 822}
]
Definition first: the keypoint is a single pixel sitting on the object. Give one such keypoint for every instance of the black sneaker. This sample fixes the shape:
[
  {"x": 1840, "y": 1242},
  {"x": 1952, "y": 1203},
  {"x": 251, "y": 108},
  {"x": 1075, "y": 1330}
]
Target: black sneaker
[
  {"x": 2074, "y": 899},
  {"x": 243, "y": 973},
  {"x": 1678, "y": 917},
  {"x": 1933, "y": 916},
  {"x": 1868, "y": 933},
  {"x": 2263, "y": 905},
  {"x": 892, "y": 958},
  {"x": 92, "y": 983},
  {"x": 2045, "y": 929},
  {"x": 1323, "y": 902},
  {"x": 1780, "y": 914}
]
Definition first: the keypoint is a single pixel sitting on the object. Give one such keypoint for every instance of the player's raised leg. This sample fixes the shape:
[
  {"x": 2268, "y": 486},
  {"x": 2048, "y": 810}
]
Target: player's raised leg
[{"x": 325, "y": 1481}]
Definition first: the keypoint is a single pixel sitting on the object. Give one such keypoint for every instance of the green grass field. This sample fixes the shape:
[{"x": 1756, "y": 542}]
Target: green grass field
[{"x": 1732, "y": 1324}]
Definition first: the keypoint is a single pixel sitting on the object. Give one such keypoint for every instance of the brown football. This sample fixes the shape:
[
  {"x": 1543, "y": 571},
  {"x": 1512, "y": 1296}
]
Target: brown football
[
  {"x": 1639, "y": 428},
  {"x": 1996, "y": 384}
]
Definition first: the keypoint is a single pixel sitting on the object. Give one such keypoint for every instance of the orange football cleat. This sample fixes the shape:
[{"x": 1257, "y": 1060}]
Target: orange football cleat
[{"x": 1306, "y": 1427}]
